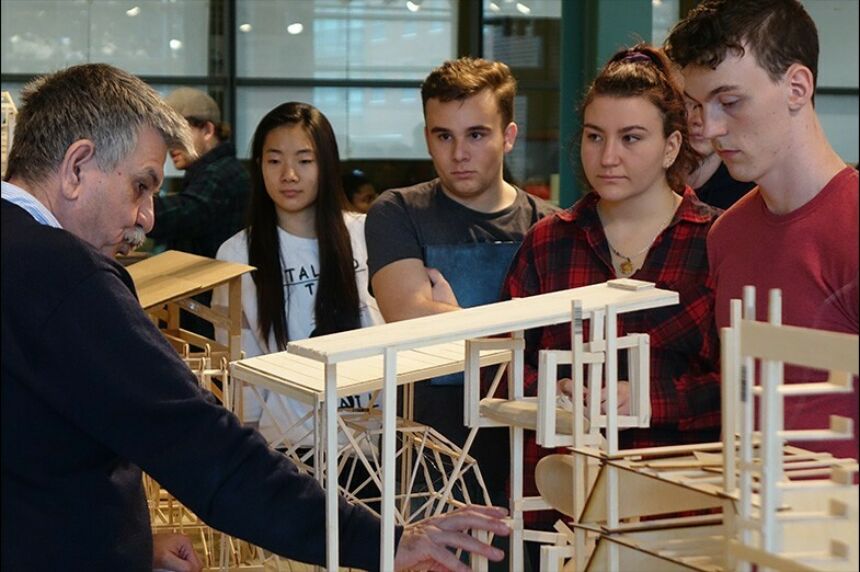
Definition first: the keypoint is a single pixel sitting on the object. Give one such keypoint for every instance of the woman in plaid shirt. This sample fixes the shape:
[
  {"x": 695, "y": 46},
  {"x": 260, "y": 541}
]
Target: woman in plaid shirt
[{"x": 640, "y": 221}]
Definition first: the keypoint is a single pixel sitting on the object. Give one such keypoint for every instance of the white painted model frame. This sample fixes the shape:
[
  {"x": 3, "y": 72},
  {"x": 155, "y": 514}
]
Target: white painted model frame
[
  {"x": 389, "y": 340},
  {"x": 430, "y": 464},
  {"x": 783, "y": 508},
  {"x": 569, "y": 426},
  {"x": 768, "y": 527}
]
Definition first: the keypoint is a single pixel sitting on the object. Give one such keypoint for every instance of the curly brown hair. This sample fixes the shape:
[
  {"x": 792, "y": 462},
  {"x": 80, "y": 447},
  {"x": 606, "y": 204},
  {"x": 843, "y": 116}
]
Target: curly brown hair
[{"x": 779, "y": 33}]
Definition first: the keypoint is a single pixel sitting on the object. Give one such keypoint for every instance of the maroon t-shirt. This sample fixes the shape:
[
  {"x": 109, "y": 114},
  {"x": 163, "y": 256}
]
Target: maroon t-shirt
[{"x": 811, "y": 254}]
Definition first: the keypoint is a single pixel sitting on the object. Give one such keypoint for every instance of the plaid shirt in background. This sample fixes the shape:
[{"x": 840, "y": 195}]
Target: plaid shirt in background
[
  {"x": 209, "y": 209},
  {"x": 568, "y": 250}
]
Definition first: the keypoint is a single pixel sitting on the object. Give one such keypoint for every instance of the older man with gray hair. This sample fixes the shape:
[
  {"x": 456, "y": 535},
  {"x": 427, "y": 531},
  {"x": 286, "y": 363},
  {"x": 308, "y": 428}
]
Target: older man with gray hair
[{"x": 92, "y": 393}]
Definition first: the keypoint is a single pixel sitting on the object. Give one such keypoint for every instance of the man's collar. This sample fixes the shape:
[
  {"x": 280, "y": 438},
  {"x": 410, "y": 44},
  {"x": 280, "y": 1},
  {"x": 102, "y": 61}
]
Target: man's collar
[{"x": 18, "y": 196}]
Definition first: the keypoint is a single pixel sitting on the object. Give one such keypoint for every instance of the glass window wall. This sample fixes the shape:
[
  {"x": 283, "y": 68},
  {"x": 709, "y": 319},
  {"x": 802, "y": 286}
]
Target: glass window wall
[{"x": 145, "y": 38}]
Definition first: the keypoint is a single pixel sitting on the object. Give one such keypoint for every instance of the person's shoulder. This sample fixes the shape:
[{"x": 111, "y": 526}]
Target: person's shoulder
[
  {"x": 552, "y": 221},
  {"x": 34, "y": 253},
  {"x": 235, "y": 248},
  {"x": 746, "y": 206},
  {"x": 354, "y": 221},
  {"x": 418, "y": 195},
  {"x": 696, "y": 210},
  {"x": 21, "y": 232},
  {"x": 839, "y": 201},
  {"x": 846, "y": 182},
  {"x": 733, "y": 221},
  {"x": 394, "y": 202},
  {"x": 419, "y": 189},
  {"x": 541, "y": 207}
]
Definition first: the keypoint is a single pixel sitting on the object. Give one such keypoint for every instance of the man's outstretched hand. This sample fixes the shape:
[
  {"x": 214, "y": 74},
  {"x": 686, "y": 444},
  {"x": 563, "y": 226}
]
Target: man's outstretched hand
[
  {"x": 426, "y": 544},
  {"x": 174, "y": 553}
]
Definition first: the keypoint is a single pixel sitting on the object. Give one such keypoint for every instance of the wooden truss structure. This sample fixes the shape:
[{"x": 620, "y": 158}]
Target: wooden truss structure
[
  {"x": 166, "y": 284},
  {"x": 430, "y": 466}
]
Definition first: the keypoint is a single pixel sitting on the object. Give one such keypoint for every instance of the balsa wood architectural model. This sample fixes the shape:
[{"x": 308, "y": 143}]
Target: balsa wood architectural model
[
  {"x": 390, "y": 344},
  {"x": 166, "y": 283},
  {"x": 758, "y": 500}
]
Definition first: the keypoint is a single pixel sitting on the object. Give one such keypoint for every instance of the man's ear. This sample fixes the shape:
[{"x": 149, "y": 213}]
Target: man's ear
[
  {"x": 427, "y": 138},
  {"x": 208, "y": 130},
  {"x": 79, "y": 156},
  {"x": 800, "y": 84},
  {"x": 510, "y": 135}
]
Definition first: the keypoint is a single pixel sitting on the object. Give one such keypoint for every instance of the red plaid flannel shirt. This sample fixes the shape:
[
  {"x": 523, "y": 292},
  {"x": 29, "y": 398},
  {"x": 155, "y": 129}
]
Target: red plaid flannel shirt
[{"x": 568, "y": 250}]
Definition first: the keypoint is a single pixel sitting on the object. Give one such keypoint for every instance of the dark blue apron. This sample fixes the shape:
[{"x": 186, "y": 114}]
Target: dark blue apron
[{"x": 475, "y": 272}]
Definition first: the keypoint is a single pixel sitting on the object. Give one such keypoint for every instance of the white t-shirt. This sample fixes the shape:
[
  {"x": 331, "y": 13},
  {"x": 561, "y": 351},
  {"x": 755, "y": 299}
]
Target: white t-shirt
[{"x": 300, "y": 263}]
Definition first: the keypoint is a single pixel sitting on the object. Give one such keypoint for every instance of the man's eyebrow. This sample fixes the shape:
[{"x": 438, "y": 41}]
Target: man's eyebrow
[
  {"x": 713, "y": 92},
  {"x": 723, "y": 89},
  {"x": 479, "y": 127},
  {"x": 150, "y": 174}
]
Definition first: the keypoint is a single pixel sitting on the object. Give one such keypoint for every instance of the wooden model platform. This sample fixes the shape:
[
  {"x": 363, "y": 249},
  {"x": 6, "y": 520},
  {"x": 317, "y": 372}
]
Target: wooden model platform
[
  {"x": 425, "y": 453},
  {"x": 166, "y": 284}
]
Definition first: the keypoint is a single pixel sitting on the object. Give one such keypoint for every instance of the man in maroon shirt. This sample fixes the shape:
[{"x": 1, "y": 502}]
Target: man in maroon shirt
[{"x": 750, "y": 69}]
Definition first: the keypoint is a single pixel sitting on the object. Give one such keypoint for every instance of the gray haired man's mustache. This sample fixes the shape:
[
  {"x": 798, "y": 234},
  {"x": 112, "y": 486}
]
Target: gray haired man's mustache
[{"x": 134, "y": 237}]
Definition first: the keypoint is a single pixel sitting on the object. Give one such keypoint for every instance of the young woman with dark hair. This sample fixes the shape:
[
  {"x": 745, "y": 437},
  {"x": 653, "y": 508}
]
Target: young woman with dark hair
[
  {"x": 309, "y": 253},
  {"x": 639, "y": 220}
]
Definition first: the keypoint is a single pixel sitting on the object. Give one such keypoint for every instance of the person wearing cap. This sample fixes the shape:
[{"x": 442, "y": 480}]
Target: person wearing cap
[{"x": 211, "y": 204}]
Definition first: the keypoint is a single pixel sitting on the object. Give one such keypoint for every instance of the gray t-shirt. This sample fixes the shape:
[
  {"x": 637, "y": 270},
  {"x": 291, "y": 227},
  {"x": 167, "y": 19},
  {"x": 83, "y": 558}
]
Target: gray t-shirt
[{"x": 403, "y": 222}]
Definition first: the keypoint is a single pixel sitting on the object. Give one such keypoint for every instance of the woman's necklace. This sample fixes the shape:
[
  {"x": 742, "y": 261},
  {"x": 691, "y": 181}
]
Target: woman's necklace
[{"x": 626, "y": 266}]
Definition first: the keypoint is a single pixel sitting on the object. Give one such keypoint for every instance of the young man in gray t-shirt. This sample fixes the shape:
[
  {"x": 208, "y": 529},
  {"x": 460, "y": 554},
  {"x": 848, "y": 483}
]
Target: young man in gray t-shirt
[{"x": 446, "y": 243}]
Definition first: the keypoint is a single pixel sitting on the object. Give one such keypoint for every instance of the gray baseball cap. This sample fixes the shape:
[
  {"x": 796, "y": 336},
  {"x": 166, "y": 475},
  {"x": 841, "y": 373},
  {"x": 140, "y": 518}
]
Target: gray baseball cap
[{"x": 190, "y": 102}]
